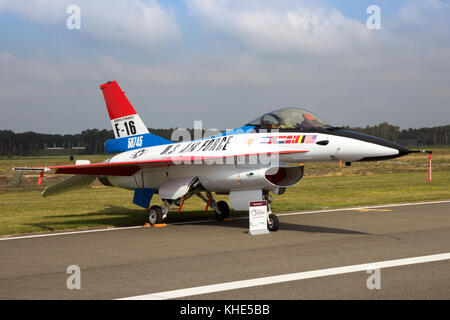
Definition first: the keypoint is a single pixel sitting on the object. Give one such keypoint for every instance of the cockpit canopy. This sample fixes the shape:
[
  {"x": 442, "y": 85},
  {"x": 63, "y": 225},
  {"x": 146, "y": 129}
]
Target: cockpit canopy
[{"x": 288, "y": 118}]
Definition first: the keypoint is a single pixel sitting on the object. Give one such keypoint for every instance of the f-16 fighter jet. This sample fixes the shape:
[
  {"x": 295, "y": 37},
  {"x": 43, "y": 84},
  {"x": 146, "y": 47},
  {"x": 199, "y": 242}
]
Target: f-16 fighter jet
[{"x": 249, "y": 163}]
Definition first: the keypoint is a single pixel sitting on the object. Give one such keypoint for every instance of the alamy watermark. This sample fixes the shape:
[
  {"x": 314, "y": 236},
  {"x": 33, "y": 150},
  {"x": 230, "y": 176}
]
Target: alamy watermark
[
  {"x": 374, "y": 20},
  {"x": 218, "y": 147},
  {"x": 74, "y": 280},
  {"x": 374, "y": 280},
  {"x": 73, "y": 21}
]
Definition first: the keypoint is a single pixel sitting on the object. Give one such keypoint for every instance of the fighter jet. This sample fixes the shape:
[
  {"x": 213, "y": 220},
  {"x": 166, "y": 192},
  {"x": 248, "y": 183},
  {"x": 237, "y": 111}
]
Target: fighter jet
[{"x": 249, "y": 163}]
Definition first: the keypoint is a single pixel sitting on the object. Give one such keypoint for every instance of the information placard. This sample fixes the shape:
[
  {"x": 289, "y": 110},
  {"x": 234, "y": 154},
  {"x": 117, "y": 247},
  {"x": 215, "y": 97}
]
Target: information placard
[{"x": 258, "y": 217}]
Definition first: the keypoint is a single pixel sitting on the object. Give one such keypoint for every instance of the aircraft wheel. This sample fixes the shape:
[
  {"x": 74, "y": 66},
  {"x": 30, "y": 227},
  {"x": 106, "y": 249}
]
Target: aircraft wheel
[
  {"x": 273, "y": 223},
  {"x": 224, "y": 210},
  {"x": 155, "y": 215}
]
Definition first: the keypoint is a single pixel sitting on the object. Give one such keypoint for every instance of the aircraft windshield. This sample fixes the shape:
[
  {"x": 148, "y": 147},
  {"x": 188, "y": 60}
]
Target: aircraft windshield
[{"x": 288, "y": 118}]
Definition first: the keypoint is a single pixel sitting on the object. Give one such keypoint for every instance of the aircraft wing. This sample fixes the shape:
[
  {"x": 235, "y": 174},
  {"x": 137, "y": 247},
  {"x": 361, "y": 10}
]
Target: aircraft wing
[{"x": 129, "y": 168}]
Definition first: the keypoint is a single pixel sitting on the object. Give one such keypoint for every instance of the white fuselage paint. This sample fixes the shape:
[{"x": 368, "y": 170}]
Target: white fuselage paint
[{"x": 240, "y": 161}]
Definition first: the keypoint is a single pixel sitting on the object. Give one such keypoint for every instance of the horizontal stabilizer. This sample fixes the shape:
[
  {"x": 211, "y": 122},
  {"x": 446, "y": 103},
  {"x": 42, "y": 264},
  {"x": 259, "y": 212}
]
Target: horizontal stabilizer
[{"x": 74, "y": 182}]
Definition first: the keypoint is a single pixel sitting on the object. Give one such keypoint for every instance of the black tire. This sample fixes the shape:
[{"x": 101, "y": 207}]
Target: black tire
[
  {"x": 224, "y": 210},
  {"x": 273, "y": 223},
  {"x": 155, "y": 215}
]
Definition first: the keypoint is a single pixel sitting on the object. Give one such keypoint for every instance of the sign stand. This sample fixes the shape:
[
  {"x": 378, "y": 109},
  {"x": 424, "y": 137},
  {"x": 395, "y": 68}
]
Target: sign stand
[{"x": 258, "y": 217}]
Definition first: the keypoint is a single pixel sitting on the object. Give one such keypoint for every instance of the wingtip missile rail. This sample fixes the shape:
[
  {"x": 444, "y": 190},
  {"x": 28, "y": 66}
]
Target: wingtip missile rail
[{"x": 41, "y": 171}]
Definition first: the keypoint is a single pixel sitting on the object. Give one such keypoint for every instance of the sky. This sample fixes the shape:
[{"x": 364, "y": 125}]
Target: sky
[{"x": 223, "y": 62}]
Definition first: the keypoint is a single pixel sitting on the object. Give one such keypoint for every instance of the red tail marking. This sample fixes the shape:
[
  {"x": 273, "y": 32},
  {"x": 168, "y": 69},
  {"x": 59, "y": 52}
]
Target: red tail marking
[{"x": 116, "y": 101}]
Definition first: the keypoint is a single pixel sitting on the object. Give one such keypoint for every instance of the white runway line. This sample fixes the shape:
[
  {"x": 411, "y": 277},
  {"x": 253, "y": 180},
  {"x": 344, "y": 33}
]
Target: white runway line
[
  {"x": 238, "y": 218},
  {"x": 68, "y": 233},
  {"x": 367, "y": 207},
  {"x": 181, "y": 293}
]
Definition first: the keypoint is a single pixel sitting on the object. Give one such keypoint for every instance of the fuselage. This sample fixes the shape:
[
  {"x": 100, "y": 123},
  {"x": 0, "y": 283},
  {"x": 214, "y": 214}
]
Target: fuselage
[{"x": 243, "y": 160}]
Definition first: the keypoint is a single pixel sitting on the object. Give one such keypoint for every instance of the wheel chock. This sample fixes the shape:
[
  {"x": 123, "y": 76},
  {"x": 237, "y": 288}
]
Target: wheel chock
[
  {"x": 158, "y": 225},
  {"x": 228, "y": 219}
]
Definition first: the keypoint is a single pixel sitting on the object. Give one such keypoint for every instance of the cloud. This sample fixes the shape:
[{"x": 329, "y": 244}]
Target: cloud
[
  {"x": 282, "y": 26},
  {"x": 245, "y": 58},
  {"x": 45, "y": 95},
  {"x": 139, "y": 23},
  {"x": 63, "y": 74},
  {"x": 423, "y": 14}
]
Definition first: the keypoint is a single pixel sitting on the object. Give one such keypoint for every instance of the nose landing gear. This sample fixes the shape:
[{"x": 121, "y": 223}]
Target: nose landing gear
[{"x": 272, "y": 220}]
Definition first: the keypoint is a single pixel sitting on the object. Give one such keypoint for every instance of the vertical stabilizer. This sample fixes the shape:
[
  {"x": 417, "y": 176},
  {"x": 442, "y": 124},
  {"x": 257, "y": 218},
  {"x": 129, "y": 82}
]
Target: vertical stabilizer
[{"x": 124, "y": 119}]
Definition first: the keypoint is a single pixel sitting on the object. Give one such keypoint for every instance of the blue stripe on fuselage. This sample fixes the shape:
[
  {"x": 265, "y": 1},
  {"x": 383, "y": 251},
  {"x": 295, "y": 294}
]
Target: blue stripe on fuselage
[
  {"x": 151, "y": 140},
  {"x": 241, "y": 130},
  {"x": 134, "y": 142}
]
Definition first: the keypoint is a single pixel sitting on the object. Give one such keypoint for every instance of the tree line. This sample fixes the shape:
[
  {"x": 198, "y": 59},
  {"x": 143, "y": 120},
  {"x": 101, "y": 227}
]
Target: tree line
[
  {"x": 92, "y": 141},
  {"x": 436, "y": 136}
]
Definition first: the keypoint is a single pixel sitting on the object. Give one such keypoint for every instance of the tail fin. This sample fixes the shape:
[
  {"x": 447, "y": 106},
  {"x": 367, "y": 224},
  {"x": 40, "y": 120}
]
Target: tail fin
[
  {"x": 124, "y": 119},
  {"x": 129, "y": 130}
]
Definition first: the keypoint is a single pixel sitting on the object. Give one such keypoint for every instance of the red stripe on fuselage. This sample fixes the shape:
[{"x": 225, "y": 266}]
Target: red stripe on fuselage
[{"x": 131, "y": 167}]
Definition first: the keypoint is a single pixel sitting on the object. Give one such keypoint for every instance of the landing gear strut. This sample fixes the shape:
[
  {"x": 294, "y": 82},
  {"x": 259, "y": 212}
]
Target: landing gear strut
[
  {"x": 157, "y": 214},
  {"x": 272, "y": 220},
  {"x": 221, "y": 208}
]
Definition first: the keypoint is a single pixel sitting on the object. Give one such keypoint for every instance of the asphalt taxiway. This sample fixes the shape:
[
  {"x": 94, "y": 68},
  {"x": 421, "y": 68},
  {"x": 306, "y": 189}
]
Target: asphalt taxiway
[{"x": 220, "y": 260}]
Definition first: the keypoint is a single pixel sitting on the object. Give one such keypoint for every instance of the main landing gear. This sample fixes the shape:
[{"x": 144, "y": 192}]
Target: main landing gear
[
  {"x": 222, "y": 211},
  {"x": 156, "y": 214},
  {"x": 221, "y": 208}
]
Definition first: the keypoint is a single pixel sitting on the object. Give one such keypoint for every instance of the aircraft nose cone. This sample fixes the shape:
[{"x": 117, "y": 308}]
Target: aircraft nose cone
[
  {"x": 390, "y": 144},
  {"x": 377, "y": 141}
]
